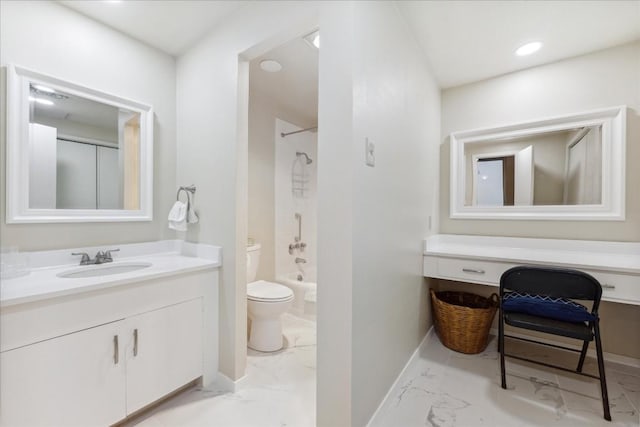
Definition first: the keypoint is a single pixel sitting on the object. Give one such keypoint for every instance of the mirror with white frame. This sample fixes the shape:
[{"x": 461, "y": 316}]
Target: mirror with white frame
[
  {"x": 569, "y": 167},
  {"x": 75, "y": 154}
]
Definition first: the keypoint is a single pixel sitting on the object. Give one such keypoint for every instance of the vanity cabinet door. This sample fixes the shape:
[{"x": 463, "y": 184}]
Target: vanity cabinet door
[
  {"x": 73, "y": 380},
  {"x": 164, "y": 352}
]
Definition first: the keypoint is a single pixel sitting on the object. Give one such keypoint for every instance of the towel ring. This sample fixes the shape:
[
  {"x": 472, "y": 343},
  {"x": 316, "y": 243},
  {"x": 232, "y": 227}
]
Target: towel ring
[{"x": 189, "y": 189}]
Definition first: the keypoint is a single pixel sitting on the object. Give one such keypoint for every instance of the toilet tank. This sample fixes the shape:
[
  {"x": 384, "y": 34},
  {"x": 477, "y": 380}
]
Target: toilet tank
[{"x": 253, "y": 258}]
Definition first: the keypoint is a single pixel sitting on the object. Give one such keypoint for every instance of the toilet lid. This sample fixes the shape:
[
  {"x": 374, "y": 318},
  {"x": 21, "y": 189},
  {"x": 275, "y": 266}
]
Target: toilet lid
[{"x": 268, "y": 291}]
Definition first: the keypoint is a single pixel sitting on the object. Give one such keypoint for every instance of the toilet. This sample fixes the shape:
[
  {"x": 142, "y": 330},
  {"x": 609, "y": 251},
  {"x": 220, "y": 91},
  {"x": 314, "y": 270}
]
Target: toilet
[{"x": 266, "y": 302}]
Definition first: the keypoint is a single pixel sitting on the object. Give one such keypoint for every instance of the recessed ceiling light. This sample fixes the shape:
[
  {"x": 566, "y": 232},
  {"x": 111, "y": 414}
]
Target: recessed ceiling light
[
  {"x": 40, "y": 101},
  {"x": 270, "y": 65},
  {"x": 528, "y": 49},
  {"x": 313, "y": 39},
  {"x": 46, "y": 89}
]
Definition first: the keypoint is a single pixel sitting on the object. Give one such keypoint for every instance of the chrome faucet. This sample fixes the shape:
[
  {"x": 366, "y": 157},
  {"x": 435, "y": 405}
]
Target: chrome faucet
[
  {"x": 300, "y": 261},
  {"x": 85, "y": 258},
  {"x": 101, "y": 257}
]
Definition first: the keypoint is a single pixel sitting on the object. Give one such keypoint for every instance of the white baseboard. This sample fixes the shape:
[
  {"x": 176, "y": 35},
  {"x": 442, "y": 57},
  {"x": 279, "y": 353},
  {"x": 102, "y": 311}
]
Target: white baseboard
[
  {"x": 608, "y": 357},
  {"x": 223, "y": 382},
  {"x": 414, "y": 356}
]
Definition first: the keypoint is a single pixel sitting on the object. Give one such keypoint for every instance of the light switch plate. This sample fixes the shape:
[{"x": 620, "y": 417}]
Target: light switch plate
[{"x": 370, "y": 152}]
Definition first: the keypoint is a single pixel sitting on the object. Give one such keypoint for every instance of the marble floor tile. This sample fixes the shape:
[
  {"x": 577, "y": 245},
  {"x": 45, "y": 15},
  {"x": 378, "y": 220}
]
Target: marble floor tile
[
  {"x": 439, "y": 388},
  {"x": 444, "y": 388},
  {"x": 279, "y": 390},
  {"x": 630, "y": 385}
]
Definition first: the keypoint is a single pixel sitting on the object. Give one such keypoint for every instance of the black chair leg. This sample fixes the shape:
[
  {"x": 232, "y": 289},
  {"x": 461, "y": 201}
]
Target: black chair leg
[
  {"x": 603, "y": 379},
  {"x": 503, "y": 377},
  {"x": 583, "y": 354}
]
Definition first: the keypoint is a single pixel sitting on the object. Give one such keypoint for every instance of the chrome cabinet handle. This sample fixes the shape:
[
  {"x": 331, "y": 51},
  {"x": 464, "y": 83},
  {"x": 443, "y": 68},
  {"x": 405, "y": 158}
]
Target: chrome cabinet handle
[
  {"x": 473, "y": 270},
  {"x": 606, "y": 286},
  {"x": 116, "y": 357},
  {"x": 135, "y": 342}
]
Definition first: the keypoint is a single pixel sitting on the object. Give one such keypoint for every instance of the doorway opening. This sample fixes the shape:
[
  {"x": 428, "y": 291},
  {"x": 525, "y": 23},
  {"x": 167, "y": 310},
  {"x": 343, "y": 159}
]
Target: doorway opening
[{"x": 281, "y": 220}]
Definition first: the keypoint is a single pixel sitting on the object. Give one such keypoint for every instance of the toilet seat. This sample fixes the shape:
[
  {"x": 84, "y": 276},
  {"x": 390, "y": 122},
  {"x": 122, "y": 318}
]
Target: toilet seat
[{"x": 267, "y": 292}]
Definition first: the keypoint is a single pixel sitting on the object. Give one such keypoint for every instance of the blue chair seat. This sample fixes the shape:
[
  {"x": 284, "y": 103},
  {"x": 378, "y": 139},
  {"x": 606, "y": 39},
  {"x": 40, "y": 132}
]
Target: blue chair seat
[{"x": 562, "y": 309}]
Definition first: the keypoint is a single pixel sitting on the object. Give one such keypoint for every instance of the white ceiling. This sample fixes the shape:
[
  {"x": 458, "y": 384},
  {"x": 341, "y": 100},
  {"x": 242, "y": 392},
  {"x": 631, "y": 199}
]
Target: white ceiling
[
  {"x": 295, "y": 87},
  {"x": 467, "y": 41},
  {"x": 171, "y": 26}
]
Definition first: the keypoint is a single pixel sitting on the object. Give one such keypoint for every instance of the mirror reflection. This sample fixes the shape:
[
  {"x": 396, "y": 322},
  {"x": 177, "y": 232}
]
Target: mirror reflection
[
  {"x": 83, "y": 154},
  {"x": 550, "y": 168}
]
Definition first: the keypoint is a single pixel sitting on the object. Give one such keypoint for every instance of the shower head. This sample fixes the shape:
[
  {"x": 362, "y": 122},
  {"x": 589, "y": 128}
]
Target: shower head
[{"x": 300, "y": 153}]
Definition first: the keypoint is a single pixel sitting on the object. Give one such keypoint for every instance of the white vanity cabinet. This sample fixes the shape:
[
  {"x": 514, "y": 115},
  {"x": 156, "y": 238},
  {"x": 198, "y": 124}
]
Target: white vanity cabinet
[
  {"x": 100, "y": 375},
  {"x": 72, "y": 380},
  {"x": 102, "y": 350}
]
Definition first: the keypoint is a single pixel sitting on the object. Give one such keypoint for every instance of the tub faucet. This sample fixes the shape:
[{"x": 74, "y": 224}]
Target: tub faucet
[
  {"x": 299, "y": 246},
  {"x": 300, "y": 261}
]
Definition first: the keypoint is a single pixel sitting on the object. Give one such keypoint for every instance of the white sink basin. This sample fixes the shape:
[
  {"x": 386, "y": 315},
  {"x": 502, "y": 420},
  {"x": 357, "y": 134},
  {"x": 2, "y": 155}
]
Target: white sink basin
[{"x": 103, "y": 270}]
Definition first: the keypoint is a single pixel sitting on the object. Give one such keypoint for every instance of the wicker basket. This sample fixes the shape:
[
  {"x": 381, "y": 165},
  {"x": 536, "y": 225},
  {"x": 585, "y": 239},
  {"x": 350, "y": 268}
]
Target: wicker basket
[{"x": 462, "y": 320}]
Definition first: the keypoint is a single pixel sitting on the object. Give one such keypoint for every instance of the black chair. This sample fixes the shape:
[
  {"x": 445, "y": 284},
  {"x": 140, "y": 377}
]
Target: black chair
[{"x": 550, "y": 285}]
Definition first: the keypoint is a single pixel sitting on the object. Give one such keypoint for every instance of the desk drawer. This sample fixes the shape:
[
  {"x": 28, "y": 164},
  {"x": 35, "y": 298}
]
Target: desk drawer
[
  {"x": 474, "y": 271},
  {"x": 618, "y": 287}
]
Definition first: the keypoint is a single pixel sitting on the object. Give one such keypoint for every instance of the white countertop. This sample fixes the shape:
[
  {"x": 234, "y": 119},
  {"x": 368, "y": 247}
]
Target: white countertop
[
  {"x": 167, "y": 258},
  {"x": 612, "y": 256}
]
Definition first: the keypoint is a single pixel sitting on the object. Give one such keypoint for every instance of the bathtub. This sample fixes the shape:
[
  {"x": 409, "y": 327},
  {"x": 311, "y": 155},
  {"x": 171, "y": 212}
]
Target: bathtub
[{"x": 304, "y": 294}]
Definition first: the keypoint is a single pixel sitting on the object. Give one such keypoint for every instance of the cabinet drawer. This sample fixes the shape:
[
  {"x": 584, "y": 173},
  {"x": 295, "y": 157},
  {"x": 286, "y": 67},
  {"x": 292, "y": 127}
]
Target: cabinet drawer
[
  {"x": 618, "y": 287},
  {"x": 474, "y": 271}
]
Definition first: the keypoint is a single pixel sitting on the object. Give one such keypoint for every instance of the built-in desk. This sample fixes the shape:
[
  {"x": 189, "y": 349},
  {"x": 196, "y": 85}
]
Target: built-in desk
[{"x": 483, "y": 259}]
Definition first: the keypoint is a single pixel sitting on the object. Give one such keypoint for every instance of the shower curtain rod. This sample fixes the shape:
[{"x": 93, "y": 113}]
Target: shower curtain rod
[{"x": 282, "y": 134}]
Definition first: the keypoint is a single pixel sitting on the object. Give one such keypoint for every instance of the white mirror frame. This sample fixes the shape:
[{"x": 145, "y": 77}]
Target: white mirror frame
[
  {"x": 17, "y": 162},
  {"x": 612, "y": 208}
]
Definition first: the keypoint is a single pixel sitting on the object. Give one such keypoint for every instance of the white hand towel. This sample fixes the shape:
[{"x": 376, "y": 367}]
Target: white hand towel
[
  {"x": 178, "y": 216},
  {"x": 192, "y": 217}
]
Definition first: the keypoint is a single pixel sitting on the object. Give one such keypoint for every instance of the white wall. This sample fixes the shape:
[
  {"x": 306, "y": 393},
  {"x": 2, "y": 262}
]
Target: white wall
[
  {"x": 261, "y": 171},
  {"x": 600, "y": 79},
  {"x": 396, "y": 103},
  {"x": 335, "y": 217},
  {"x": 54, "y": 40}
]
